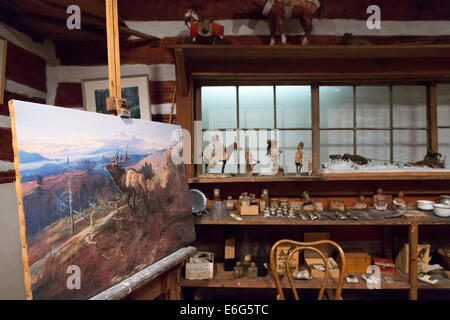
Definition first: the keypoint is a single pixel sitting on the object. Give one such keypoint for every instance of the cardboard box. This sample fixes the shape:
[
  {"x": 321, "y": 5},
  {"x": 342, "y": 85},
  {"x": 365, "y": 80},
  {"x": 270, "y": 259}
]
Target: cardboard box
[
  {"x": 281, "y": 257},
  {"x": 297, "y": 205},
  {"x": 423, "y": 256},
  {"x": 357, "y": 261},
  {"x": 316, "y": 236},
  {"x": 200, "y": 266},
  {"x": 317, "y": 268},
  {"x": 337, "y": 205},
  {"x": 249, "y": 210}
]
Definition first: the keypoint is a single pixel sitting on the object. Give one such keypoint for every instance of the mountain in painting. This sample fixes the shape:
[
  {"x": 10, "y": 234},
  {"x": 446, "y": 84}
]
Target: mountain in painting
[{"x": 27, "y": 157}]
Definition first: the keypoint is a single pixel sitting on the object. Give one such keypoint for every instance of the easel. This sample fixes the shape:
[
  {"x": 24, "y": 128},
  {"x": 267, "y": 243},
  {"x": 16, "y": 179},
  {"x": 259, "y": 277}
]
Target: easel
[
  {"x": 162, "y": 278},
  {"x": 114, "y": 103}
]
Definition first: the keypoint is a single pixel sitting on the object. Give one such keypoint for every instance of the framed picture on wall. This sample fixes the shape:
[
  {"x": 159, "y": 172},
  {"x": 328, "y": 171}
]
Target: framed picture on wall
[
  {"x": 3, "y": 46},
  {"x": 135, "y": 89}
]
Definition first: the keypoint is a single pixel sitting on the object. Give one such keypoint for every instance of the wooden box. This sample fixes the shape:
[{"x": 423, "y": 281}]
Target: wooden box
[
  {"x": 317, "y": 268},
  {"x": 200, "y": 266},
  {"x": 249, "y": 210},
  {"x": 337, "y": 205},
  {"x": 423, "y": 256},
  {"x": 316, "y": 236},
  {"x": 281, "y": 257},
  {"x": 297, "y": 206},
  {"x": 356, "y": 261}
]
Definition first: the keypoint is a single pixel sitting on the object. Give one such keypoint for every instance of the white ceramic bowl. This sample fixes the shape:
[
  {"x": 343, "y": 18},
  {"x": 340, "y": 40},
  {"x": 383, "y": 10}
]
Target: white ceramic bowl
[
  {"x": 425, "y": 204},
  {"x": 441, "y": 210}
]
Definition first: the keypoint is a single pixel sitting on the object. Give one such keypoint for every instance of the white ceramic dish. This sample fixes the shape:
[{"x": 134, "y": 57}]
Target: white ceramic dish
[
  {"x": 425, "y": 204},
  {"x": 441, "y": 210}
]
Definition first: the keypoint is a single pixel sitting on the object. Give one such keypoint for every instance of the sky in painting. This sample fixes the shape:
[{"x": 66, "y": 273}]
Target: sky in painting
[{"x": 56, "y": 132}]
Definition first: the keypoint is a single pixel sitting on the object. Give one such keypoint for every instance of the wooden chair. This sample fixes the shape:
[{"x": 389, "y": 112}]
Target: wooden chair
[{"x": 302, "y": 246}]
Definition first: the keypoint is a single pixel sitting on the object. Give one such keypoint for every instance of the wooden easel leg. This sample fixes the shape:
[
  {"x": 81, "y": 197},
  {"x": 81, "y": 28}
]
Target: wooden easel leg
[{"x": 413, "y": 245}]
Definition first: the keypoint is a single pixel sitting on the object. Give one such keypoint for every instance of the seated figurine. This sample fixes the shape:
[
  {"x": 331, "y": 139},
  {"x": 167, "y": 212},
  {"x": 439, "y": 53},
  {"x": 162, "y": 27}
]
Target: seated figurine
[
  {"x": 380, "y": 201},
  {"x": 400, "y": 202},
  {"x": 360, "y": 204}
]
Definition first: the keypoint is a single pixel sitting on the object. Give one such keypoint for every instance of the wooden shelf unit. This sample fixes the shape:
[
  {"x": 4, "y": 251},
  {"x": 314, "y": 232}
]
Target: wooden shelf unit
[{"x": 428, "y": 65}]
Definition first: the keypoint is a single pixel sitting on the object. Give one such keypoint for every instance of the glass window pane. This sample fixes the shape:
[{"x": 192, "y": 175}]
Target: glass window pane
[
  {"x": 443, "y": 102},
  {"x": 293, "y": 106},
  {"x": 336, "y": 107},
  {"x": 226, "y": 138},
  {"x": 373, "y": 144},
  {"x": 444, "y": 144},
  {"x": 219, "y": 107},
  {"x": 372, "y": 107},
  {"x": 335, "y": 142},
  {"x": 409, "y": 106},
  {"x": 256, "y": 109},
  {"x": 289, "y": 141},
  {"x": 410, "y": 145}
]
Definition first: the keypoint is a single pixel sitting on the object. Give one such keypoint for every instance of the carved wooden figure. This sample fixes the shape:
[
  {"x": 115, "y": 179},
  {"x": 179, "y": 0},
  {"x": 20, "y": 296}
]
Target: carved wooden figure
[
  {"x": 299, "y": 157},
  {"x": 274, "y": 152},
  {"x": 360, "y": 204},
  {"x": 277, "y": 10},
  {"x": 380, "y": 201},
  {"x": 200, "y": 31},
  {"x": 249, "y": 162}
]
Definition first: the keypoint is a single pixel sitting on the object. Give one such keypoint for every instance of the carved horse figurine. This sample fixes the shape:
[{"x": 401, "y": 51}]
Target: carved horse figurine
[
  {"x": 277, "y": 10},
  {"x": 217, "y": 152},
  {"x": 202, "y": 31}
]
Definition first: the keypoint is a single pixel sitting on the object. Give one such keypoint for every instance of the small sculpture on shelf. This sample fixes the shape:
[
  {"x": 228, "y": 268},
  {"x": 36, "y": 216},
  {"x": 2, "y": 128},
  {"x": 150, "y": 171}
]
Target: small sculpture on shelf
[
  {"x": 277, "y": 10},
  {"x": 360, "y": 204},
  {"x": 299, "y": 157},
  {"x": 249, "y": 162},
  {"x": 310, "y": 166},
  {"x": 400, "y": 202},
  {"x": 274, "y": 152},
  {"x": 202, "y": 31},
  {"x": 380, "y": 201},
  {"x": 217, "y": 152},
  {"x": 307, "y": 201}
]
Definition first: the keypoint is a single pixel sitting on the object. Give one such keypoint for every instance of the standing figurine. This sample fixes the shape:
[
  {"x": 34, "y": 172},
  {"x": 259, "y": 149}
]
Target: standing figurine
[
  {"x": 249, "y": 162},
  {"x": 216, "y": 152},
  {"x": 380, "y": 201},
  {"x": 360, "y": 204},
  {"x": 400, "y": 202},
  {"x": 299, "y": 157},
  {"x": 274, "y": 152},
  {"x": 310, "y": 166}
]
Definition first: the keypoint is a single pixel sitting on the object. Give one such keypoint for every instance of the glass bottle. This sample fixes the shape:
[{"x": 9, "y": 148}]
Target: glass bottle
[
  {"x": 238, "y": 270},
  {"x": 252, "y": 272},
  {"x": 245, "y": 253},
  {"x": 262, "y": 261},
  {"x": 229, "y": 251},
  {"x": 262, "y": 204},
  {"x": 230, "y": 204}
]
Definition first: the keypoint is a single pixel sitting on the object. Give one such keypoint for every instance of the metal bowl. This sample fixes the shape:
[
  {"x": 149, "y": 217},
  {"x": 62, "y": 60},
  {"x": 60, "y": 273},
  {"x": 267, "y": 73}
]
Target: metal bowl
[{"x": 199, "y": 202}]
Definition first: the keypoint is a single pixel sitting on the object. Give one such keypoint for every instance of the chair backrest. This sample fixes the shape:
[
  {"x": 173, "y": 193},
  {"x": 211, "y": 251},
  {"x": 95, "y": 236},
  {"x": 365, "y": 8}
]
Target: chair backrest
[{"x": 301, "y": 246}]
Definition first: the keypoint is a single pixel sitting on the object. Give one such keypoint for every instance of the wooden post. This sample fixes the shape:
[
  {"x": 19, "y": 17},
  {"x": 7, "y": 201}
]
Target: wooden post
[
  {"x": 413, "y": 246},
  {"x": 112, "y": 33},
  {"x": 315, "y": 120},
  {"x": 432, "y": 127}
]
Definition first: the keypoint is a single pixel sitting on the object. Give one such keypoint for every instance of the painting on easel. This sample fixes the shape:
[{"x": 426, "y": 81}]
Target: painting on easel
[{"x": 99, "y": 196}]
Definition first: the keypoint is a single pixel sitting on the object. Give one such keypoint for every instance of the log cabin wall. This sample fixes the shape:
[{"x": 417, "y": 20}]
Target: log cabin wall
[{"x": 25, "y": 79}]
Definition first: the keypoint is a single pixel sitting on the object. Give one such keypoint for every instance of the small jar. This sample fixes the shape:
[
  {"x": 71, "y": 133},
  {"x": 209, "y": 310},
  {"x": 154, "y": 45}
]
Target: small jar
[
  {"x": 279, "y": 212},
  {"x": 291, "y": 212},
  {"x": 230, "y": 204},
  {"x": 252, "y": 272},
  {"x": 273, "y": 211},
  {"x": 266, "y": 212},
  {"x": 238, "y": 270},
  {"x": 274, "y": 203}
]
